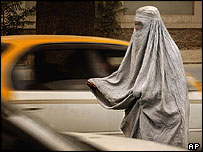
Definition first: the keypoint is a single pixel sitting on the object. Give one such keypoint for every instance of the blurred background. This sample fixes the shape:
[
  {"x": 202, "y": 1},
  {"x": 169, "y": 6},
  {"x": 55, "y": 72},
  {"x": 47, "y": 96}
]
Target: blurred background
[{"x": 183, "y": 19}]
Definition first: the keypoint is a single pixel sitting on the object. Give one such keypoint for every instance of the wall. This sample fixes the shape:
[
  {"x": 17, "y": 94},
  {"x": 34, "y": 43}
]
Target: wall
[
  {"x": 185, "y": 38},
  {"x": 171, "y": 20},
  {"x": 183, "y": 20}
]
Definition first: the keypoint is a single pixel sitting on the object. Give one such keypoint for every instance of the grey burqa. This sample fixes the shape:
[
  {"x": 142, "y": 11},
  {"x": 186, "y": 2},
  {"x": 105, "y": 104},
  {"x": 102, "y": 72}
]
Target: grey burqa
[{"x": 150, "y": 85}]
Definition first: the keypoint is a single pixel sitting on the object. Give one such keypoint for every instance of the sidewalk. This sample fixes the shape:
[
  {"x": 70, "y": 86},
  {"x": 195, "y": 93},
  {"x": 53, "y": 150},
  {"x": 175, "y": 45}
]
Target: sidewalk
[{"x": 191, "y": 56}]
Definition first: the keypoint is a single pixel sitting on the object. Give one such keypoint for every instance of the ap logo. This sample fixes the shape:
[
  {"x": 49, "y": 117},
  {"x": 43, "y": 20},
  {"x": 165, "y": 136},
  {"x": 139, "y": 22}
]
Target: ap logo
[{"x": 193, "y": 146}]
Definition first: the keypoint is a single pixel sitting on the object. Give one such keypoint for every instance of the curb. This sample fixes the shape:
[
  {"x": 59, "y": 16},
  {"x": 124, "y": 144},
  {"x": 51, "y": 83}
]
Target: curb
[{"x": 192, "y": 62}]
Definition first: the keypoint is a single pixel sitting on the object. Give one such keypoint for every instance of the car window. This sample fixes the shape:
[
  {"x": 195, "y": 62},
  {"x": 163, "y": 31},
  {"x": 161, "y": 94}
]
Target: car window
[{"x": 64, "y": 67}]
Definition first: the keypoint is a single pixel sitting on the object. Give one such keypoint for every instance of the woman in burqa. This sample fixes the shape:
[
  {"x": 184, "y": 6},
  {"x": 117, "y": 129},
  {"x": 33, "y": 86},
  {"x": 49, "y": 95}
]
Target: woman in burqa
[{"x": 150, "y": 84}]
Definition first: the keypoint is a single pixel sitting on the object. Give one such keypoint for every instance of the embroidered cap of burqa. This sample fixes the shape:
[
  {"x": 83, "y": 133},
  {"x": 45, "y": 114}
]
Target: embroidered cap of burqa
[{"x": 150, "y": 85}]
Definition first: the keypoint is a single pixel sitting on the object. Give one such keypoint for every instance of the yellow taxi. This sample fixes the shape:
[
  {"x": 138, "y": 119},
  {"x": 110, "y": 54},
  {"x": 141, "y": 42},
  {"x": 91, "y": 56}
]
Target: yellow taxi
[{"x": 45, "y": 75}]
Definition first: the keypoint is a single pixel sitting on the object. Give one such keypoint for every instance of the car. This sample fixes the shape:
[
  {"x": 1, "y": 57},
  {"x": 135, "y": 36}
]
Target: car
[
  {"x": 21, "y": 131},
  {"x": 45, "y": 75}
]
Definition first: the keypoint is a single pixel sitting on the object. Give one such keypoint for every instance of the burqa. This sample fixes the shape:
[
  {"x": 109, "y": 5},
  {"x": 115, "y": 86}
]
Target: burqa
[{"x": 150, "y": 85}]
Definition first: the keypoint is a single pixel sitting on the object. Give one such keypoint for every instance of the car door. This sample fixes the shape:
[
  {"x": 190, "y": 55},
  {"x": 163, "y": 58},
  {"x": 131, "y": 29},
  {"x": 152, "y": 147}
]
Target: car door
[{"x": 50, "y": 83}]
